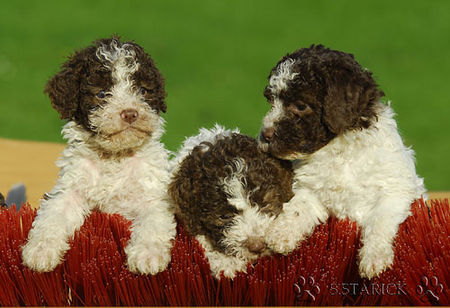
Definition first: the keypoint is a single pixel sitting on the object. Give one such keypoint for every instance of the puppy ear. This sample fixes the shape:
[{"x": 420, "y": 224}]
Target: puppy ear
[
  {"x": 348, "y": 103},
  {"x": 63, "y": 90},
  {"x": 157, "y": 80},
  {"x": 340, "y": 110},
  {"x": 163, "y": 106},
  {"x": 159, "y": 102}
]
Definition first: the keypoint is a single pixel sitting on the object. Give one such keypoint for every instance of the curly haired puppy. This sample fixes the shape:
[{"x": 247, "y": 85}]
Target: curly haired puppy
[
  {"x": 350, "y": 160},
  {"x": 226, "y": 192},
  {"x": 112, "y": 95}
]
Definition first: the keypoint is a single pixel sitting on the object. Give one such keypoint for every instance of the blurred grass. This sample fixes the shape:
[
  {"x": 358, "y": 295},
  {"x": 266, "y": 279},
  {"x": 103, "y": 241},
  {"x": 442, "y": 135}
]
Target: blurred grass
[{"x": 216, "y": 56}]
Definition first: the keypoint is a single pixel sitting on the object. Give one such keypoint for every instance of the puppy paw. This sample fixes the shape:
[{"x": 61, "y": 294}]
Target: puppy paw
[
  {"x": 228, "y": 266},
  {"x": 281, "y": 239},
  {"x": 374, "y": 261},
  {"x": 147, "y": 259},
  {"x": 43, "y": 256}
]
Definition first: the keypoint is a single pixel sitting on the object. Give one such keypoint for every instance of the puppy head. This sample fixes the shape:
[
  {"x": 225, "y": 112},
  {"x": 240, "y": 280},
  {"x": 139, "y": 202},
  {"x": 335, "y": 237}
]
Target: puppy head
[
  {"x": 114, "y": 91},
  {"x": 230, "y": 192},
  {"x": 316, "y": 94},
  {"x": 232, "y": 223},
  {"x": 247, "y": 221}
]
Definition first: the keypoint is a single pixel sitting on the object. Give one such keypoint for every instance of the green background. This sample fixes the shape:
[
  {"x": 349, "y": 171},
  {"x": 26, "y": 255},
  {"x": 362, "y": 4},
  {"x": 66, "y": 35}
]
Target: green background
[{"x": 216, "y": 55}]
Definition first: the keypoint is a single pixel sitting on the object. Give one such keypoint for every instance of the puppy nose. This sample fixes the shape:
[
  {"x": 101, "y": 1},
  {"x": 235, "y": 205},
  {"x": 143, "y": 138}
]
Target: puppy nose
[
  {"x": 256, "y": 244},
  {"x": 129, "y": 115},
  {"x": 267, "y": 134}
]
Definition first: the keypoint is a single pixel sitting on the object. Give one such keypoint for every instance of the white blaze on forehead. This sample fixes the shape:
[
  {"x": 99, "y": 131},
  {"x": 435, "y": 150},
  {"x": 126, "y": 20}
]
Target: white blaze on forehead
[
  {"x": 278, "y": 82},
  {"x": 274, "y": 115},
  {"x": 279, "y": 79},
  {"x": 106, "y": 120},
  {"x": 121, "y": 60}
]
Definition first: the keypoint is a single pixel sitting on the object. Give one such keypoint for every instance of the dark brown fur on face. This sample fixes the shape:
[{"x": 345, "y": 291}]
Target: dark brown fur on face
[
  {"x": 330, "y": 94},
  {"x": 73, "y": 91},
  {"x": 196, "y": 189}
]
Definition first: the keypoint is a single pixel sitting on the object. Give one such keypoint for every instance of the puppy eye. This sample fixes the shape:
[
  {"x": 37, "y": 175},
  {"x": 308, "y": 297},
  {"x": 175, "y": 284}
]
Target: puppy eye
[
  {"x": 226, "y": 216},
  {"x": 142, "y": 91},
  {"x": 101, "y": 94},
  {"x": 302, "y": 107},
  {"x": 300, "y": 110},
  {"x": 98, "y": 106}
]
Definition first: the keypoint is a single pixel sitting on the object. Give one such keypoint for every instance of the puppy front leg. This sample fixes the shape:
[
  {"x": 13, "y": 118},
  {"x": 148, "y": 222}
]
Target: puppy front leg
[
  {"x": 152, "y": 235},
  {"x": 379, "y": 229},
  {"x": 56, "y": 221},
  {"x": 297, "y": 220},
  {"x": 222, "y": 263}
]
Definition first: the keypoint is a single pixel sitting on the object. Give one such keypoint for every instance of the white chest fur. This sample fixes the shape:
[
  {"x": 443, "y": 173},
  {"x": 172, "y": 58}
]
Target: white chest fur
[
  {"x": 349, "y": 173},
  {"x": 366, "y": 175},
  {"x": 111, "y": 185},
  {"x": 114, "y": 184}
]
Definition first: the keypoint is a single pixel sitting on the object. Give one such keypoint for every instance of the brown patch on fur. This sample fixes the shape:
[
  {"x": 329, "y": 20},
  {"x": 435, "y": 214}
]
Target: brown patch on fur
[
  {"x": 114, "y": 155},
  {"x": 73, "y": 90},
  {"x": 201, "y": 203},
  {"x": 149, "y": 77},
  {"x": 338, "y": 93}
]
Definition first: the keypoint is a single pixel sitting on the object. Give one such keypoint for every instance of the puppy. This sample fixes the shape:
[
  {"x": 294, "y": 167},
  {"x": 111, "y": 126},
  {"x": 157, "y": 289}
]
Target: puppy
[
  {"x": 350, "y": 160},
  {"x": 112, "y": 95},
  {"x": 226, "y": 192}
]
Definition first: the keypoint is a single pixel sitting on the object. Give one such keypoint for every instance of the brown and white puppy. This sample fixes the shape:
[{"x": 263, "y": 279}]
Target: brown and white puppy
[
  {"x": 111, "y": 94},
  {"x": 350, "y": 160},
  {"x": 226, "y": 192}
]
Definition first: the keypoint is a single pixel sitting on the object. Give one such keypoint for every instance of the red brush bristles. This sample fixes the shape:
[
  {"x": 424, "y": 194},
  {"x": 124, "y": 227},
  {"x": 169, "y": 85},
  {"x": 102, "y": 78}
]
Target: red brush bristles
[
  {"x": 323, "y": 271},
  {"x": 420, "y": 274},
  {"x": 20, "y": 285}
]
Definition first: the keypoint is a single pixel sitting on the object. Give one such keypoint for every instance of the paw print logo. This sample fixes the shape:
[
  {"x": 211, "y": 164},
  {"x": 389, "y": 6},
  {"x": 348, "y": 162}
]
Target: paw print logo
[
  {"x": 307, "y": 286},
  {"x": 430, "y": 286}
]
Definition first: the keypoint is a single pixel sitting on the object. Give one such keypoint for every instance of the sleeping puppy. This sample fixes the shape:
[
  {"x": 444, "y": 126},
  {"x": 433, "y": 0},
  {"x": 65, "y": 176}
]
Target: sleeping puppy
[
  {"x": 112, "y": 95},
  {"x": 350, "y": 161},
  {"x": 226, "y": 192}
]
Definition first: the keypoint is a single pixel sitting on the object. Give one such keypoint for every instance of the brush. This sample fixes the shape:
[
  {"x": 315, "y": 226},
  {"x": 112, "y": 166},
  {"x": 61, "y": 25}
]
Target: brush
[{"x": 322, "y": 271}]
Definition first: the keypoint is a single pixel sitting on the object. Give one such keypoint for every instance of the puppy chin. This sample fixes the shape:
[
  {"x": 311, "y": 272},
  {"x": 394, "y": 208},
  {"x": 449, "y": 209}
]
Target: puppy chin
[
  {"x": 126, "y": 140},
  {"x": 267, "y": 148}
]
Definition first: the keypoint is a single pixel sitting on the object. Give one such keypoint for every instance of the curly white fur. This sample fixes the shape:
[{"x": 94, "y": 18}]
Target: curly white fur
[
  {"x": 366, "y": 175},
  {"x": 204, "y": 135},
  {"x": 134, "y": 186},
  {"x": 250, "y": 223},
  {"x": 279, "y": 79}
]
